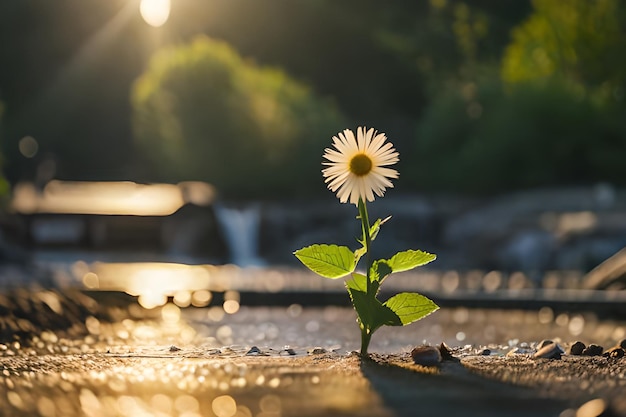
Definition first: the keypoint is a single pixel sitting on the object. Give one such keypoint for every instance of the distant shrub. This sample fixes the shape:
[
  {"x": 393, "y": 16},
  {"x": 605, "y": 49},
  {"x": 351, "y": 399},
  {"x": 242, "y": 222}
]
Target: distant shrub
[
  {"x": 579, "y": 41},
  {"x": 489, "y": 139},
  {"x": 202, "y": 112}
]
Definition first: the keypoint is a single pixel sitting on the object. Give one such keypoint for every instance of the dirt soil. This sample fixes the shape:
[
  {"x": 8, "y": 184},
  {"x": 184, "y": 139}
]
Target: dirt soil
[
  {"x": 168, "y": 382},
  {"x": 62, "y": 355}
]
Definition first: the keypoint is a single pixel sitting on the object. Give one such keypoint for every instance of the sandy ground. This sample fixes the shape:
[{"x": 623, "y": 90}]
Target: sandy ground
[
  {"x": 193, "y": 383},
  {"x": 65, "y": 354}
]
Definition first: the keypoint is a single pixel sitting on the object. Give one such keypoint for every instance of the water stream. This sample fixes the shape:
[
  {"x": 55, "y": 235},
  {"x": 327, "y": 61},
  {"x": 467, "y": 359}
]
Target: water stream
[{"x": 240, "y": 227}]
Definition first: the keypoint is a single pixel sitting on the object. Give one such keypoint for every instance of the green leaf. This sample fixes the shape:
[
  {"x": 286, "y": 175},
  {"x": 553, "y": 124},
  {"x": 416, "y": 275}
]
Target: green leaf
[
  {"x": 410, "y": 307},
  {"x": 359, "y": 253},
  {"x": 372, "y": 314},
  {"x": 404, "y": 261},
  {"x": 380, "y": 269},
  {"x": 329, "y": 261},
  {"x": 375, "y": 228},
  {"x": 359, "y": 282}
]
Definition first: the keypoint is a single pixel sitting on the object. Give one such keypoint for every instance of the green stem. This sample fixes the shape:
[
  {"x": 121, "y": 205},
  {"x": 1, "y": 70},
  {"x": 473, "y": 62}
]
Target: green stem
[
  {"x": 366, "y": 332},
  {"x": 365, "y": 226},
  {"x": 366, "y": 335}
]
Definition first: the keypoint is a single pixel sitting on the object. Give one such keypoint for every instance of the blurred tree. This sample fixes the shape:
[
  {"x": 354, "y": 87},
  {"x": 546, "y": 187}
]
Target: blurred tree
[
  {"x": 517, "y": 137},
  {"x": 448, "y": 40},
  {"x": 555, "y": 118},
  {"x": 579, "y": 41},
  {"x": 66, "y": 70},
  {"x": 333, "y": 46},
  {"x": 201, "y": 112}
]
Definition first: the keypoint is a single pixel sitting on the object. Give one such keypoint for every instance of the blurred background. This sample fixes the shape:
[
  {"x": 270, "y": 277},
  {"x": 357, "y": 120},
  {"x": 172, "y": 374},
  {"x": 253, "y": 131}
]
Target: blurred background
[{"x": 194, "y": 129}]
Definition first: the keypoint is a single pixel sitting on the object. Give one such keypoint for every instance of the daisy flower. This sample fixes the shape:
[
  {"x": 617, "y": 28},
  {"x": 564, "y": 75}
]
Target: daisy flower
[{"x": 356, "y": 166}]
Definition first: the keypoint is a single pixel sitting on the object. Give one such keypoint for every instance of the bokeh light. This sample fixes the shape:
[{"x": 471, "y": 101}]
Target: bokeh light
[
  {"x": 28, "y": 146},
  {"x": 224, "y": 406},
  {"x": 155, "y": 12}
]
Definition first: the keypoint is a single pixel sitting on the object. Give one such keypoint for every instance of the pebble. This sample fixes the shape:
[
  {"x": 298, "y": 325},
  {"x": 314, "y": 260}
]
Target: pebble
[
  {"x": 577, "y": 348},
  {"x": 622, "y": 344},
  {"x": 446, "y": 353},
  {"x": 544, "y": 343},
  {"x": 484, "y": 352},
  {"x": 549, "y": 351},
  {"x": 519, "y": 351},
  {"x": 615, "y": 352},
  {"x": 426, "y": 355},
  {"x": 174, "y": 348},
  {"x": 593, "y": 350},
  {"x": 316, "y": 351},
  {"x": 253, "y": 351}
]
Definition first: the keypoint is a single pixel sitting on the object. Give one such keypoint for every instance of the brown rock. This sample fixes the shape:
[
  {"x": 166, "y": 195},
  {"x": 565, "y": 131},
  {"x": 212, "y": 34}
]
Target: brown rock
[
  {"x": 446, "y": 353},
  {"x": 615, "y": 352},
  {"x": 577, "y": 348},
  {"x": 426, "y": 355},
  {"x": 544, "y": 343},
  {"x": 593, "y": 350},
  {"x": 549, "y": 351}
]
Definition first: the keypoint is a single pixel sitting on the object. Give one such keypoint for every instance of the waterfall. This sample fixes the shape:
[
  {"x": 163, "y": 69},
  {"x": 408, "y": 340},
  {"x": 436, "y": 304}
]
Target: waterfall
[{"x": 240, "y": 228}]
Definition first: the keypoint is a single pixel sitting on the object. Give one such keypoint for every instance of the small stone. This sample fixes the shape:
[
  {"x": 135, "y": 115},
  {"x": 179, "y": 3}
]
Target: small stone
[
  {"x": 544, "y": 343},
  {"x": 446, "y": 353},
  {"x": 515, "y": 351},
  {"x": 615, "y": 352},
  {"x": 593, "y": 350},
  {"x": 622, "y": 344},
  {"x": 577, "y": 348},
  {"x": 426, "y": 355},
  {"x": 174, "y": 348},
  {"x": 519, "y": 351},
  {"x": 550, "y": 351},
  {"x": 316, "y": 351},
  {"x": 288, "y": 351},
  {"x": 484, "y": 352},
  {"x": 253, "y": 351}
]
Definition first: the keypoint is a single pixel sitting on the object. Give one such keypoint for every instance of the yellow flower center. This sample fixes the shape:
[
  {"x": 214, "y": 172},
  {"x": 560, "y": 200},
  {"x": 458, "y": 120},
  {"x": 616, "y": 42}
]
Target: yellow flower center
[{"x": 360, "y": 165}]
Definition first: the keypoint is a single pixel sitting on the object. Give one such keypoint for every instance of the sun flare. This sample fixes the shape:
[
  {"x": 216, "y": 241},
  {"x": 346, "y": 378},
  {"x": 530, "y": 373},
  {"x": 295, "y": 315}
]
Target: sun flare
[{"x": 155, "y": 12}]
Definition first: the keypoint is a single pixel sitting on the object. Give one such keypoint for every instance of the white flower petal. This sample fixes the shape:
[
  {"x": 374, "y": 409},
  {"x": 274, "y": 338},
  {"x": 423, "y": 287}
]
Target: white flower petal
[
  {"x": 386, "y": 172},
  {"x": 376, "y": 143}
]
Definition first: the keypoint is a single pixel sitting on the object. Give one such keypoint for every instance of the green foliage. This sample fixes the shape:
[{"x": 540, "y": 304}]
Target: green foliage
[
  {"x": 407, "y": 260},
  {"x": 202, "y": 112},
  {"x": 331, "y": 261},
  {"x": 399, "y": 310},
  {"x": 579, "y": 41},
  {"x": 487, "y": 138},
  {"x": 397, "y": 65},
  {"x": 371, "y": 312},
  {"x": 410, "y": 307}
]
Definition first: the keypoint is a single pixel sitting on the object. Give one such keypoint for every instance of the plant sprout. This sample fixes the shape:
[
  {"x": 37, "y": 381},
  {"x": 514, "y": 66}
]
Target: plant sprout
[{"x": 357, "y": 169}]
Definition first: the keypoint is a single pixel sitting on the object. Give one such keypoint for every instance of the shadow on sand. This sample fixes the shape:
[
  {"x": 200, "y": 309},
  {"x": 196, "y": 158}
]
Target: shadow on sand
[{"x": 451, "y": 390}]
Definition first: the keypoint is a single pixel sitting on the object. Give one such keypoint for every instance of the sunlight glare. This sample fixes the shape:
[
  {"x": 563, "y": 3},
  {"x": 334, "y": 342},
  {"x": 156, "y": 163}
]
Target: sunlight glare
[{"x": 155, "y": 12}]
